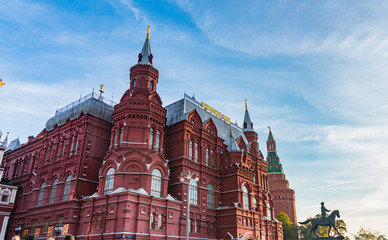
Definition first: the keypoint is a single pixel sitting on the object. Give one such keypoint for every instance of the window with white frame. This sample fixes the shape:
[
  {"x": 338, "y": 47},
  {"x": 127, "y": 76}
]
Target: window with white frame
[
  {"x": 152, "y": 220},
  {"x": 191, "y": 150},
  {"x": 156, "y": 183},
  {"x": 193, "y": 192},
  {"x": 160, "y": 222},
  {"x": 245, "y": 198},
  {"x": 151, "y": 138},
  {"x": 66, "y": 190},
  {"x": 41, "y": 194},
  {"x": 5, "y": 195},
  {"x": 76, "y": 145},
  {"x": 121, "y": 135},
  {"x": 269, "y": 212},
  {"x": 210, "y": 196},
  {"x": 254, "y": 203},
  {"x": 109, "y": 180},
  {"x": 53, "y": 191},
  {"x": 207, "y": 156},
  {"x": 157, "y": 141}
]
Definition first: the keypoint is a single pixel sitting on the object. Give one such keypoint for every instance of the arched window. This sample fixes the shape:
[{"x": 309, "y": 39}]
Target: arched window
[
  {"x": 160, "y": 222},
  {"x": 152, "y": 220},
  {"x": 53, "y": 191},
  {"x": 114, "y": 138},
  {"x": 63, "y": 148},
  {"x": 66, "y": 190},
  {"x": 157, "y": 141},
  {"x": 156, "y": 183},
  {"x": 210, "y": 196},
  {"x": 196, "y": 152},
  {"x": 245, "y": 198},
  {"x": 151, "y": 138},
  {"x": 59, "y": 150},
  {"x": 76, "y": 145},
  {"x": 41, "y": 194},
  {"x": 191, "y": 150},
  {"x": 196, "y": 226},
  {"x": 269, "y": 212},
  {"x": 193, "y": 192},
  {"x": 121, "y": 134},
  {"x": 25, "y": 168},
  {"x": 47, "y": 154},
  {"x": 134, "y": 82},
  {"x": 254, "y": 203},
  {"x": 207, "y": 156},
  {"x": 71, "y": 146},
  {"x": 5, "y": 195},
  {"x": 109, "y": 180}
]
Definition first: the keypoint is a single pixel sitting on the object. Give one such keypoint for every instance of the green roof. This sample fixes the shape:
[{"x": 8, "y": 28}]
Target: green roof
[
  {"x": 273, "y": 163},
  {"x": 270, "y": 137}
]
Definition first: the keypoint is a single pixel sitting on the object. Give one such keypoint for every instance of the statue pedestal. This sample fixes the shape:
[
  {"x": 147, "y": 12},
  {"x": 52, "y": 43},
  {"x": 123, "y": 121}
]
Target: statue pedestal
[{"x": 329, "y": 238}]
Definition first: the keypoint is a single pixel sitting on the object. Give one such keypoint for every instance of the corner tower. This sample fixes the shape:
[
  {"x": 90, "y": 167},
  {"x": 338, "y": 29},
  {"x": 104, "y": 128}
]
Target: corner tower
[
  {"x": 136, "y": 151},
  {"x": 283, "y": 196}
]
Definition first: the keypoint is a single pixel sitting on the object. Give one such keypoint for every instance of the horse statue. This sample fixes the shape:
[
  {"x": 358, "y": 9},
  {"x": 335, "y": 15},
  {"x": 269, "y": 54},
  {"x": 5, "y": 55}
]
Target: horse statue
[{"x": 323, "y": 221}]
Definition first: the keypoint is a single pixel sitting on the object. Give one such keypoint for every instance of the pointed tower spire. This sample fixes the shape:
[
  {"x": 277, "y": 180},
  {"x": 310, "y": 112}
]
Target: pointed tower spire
[
  {"x": 273, "y": 161},
  {"x": 145, "y": 56},
  {"x": 248, "y": 125}
]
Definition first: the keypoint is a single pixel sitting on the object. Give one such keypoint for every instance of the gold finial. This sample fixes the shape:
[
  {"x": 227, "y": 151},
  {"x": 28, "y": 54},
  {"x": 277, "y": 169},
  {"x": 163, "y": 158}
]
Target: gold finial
[
  {"x": 1, "y": 82},
  {"x": 231, "y": 130},
  {"x": 148, "y": 32},
  {"x": 269, "y": 128},
  {"x": 101, "y": 87},
  {"x": 246, "y": 105}
]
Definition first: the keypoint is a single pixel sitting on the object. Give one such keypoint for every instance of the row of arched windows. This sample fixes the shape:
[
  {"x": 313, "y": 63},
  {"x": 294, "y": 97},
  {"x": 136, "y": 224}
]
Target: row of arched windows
[
  {"x": 156, "y": 182},
  {"x": 60, "y": 151},
  {"x": 159, "y": 219},
  {"x": 246, "y": 204},
  {"x": 66, "y": 191},
  {"x": 193, "y": 151}
]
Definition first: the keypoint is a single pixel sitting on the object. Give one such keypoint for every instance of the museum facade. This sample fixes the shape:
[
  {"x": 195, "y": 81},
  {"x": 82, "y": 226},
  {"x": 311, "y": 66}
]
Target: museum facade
[{"x": 131, "y": 170}]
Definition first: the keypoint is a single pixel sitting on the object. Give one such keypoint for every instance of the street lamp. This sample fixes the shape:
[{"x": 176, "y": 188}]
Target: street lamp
[
  {"x": 17, "y": 229},
  {"x": 58, "y": 229},
  {"x": 182, "y": 178}
]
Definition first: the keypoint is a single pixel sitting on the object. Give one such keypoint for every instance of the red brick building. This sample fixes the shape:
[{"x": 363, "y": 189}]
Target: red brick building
[
  {"x": 7, "y": 194},
  {"x": 283, "y": 197},
  {"x": 109, "y": 172}
]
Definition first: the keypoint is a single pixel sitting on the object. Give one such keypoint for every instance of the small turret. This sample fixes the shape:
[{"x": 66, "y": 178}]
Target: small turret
[{"x": 248, "y": 125}]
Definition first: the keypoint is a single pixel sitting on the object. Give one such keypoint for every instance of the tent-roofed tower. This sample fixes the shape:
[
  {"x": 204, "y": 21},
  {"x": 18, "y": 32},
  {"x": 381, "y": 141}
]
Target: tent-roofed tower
[
  {"x": 283, "y": 196},
  {"x": 137, "y": 136}
]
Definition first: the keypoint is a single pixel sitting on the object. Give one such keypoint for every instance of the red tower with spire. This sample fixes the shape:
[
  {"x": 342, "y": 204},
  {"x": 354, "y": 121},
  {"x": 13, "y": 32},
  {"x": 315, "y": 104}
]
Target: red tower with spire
[
  {"x": 137, "y": 137},
  {"x": 283, "y": 196}
]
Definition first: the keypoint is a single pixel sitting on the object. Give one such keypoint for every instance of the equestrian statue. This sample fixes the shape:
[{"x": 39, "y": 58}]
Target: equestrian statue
[{"x": 324, "y": 221}]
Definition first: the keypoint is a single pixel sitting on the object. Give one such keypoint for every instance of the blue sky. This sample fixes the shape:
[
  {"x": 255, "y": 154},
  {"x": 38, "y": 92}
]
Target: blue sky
[{"x": 315, "y": 71}]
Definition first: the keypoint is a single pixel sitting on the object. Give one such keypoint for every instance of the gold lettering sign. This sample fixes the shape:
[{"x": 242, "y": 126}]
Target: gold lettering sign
[{"x": 215, "y": 112}]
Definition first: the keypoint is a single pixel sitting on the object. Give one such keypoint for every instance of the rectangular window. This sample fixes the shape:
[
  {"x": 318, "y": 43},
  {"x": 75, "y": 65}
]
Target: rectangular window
[
  {"x": 46, "y": 224},
  {"x": 152, "y": 220},
  {"x": 60, "y": 220},
  {"x": 33, "y": 226}
]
